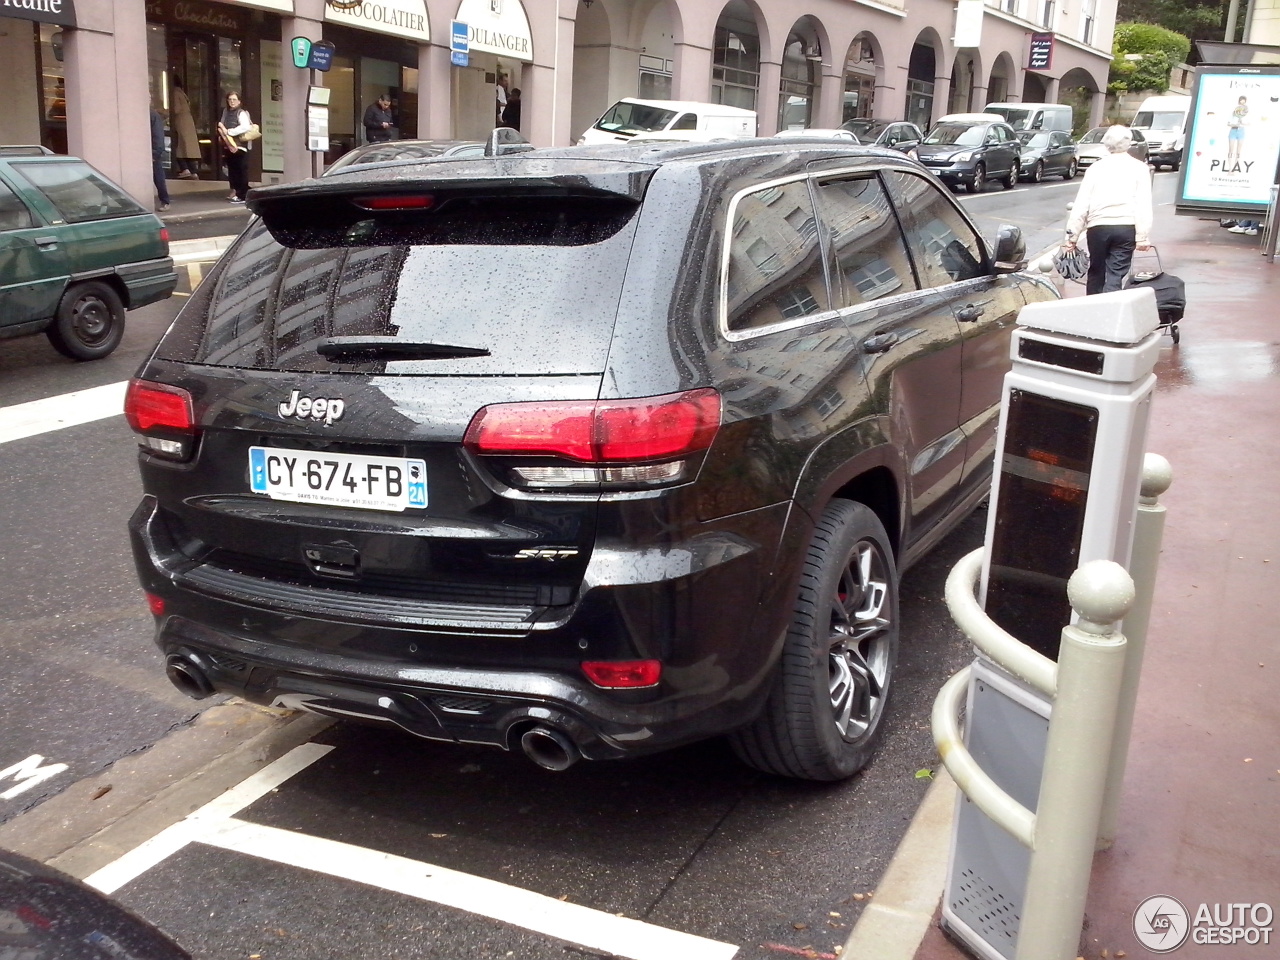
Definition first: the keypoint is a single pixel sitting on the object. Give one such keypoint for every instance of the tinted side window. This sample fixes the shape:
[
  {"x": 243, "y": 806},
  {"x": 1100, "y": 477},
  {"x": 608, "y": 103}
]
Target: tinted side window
[
  {"x": 871, "y": 258},
  {"x": 775, "y": 267},
  {"x": 77, "y": 192},
  {"x": 941, "y": 241},
  {"x": 687, "y": 121},
  {"x": 14, "y": 214}
]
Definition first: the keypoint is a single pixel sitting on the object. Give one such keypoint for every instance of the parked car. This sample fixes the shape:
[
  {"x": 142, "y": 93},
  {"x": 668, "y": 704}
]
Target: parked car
[
  {"x": 630, "y": 115},
  {"x": 970, "y": 149},
  {"x": 407, "y": 150},
  {"x": 590, "y": 452},
  {"x": 823, "y": 133},
  {"x": 895, "y": 134},
  {"x": 46, "y": 914},
  {"x": 1047, "y": 154},
  {"x": 1089, "y": 147},
  {"x": 77, "y": 253}
]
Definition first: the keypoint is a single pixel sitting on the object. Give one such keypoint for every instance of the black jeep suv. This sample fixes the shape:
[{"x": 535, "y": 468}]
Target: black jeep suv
[{"x": 586, "y": 452}]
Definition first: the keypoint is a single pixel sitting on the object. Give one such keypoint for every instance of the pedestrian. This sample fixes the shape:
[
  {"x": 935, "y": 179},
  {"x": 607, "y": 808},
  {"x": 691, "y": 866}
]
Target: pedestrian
[
  {"x": 1248, "y": 227},
  {"x": 183, "y": 125},
  {"x": 1114, "y": 207},
  {"x": 235, "y": 123},
  {"x": 157, "y": 158},
  {"x": 511, "y": 112},
  {"x": 378, "y": 120},
  {"x": 500, "y": 97}
]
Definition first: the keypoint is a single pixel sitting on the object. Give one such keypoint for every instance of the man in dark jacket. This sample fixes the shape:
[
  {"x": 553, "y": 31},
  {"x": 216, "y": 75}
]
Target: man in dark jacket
[
  {"x": 157, "y": 158},
  {"x": 378, "y": 121}
]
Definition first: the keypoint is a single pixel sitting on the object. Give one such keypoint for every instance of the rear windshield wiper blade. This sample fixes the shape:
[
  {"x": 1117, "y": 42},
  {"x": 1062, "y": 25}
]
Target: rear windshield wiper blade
[{"x": 392, "y": 348}]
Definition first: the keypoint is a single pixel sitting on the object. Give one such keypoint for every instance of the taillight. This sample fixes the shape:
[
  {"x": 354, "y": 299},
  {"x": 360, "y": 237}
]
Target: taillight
[
  {"x": 623, "y": 673},
  {"x": 619, "y": 439},
  {"x": 155, "y": 604},
  {"x": 163, "y": 416},
  {"x": 424, "y": 201}
]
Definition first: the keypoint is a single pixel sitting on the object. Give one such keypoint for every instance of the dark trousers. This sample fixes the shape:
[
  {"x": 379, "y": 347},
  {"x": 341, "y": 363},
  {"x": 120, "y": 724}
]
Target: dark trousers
[
  {"x": 1110, "y": 256},
  {"x": 238, "y": 172},
  {"x": 157, "y": 177}
]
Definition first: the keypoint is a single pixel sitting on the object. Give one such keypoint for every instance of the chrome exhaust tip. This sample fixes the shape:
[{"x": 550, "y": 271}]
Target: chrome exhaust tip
[
  {"x": 549, "y": 748},
  {"x": 188, "y": 676}
]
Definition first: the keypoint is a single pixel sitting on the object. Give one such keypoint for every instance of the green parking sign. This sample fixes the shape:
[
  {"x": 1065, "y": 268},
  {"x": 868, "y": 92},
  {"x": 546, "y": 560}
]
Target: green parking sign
[{"x": 301, "y": 47}]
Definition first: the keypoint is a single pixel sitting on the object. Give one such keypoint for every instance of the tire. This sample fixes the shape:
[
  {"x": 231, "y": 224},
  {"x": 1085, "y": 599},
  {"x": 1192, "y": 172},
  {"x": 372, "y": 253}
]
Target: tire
[
  {"x": 979, "y": 181},
  {"x": 1175, "y": 333},
  {"x": 1037, "y": 172},
  {"x": 824, "y": 717},
  {"x": 89, "y": 323},
  {"x": 1011, "y": 178},
  {"x": 1072, "y": 169}
]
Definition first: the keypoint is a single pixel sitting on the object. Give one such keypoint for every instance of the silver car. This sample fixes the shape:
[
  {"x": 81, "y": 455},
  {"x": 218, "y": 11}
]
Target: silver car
[{"x": 1089, "y": 147}]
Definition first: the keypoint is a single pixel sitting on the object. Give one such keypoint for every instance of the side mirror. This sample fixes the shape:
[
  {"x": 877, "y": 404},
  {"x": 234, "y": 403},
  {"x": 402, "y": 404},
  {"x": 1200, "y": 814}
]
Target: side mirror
[
  {"x": 1010, "y": 249},
  {"x": 505, "y": 140}
]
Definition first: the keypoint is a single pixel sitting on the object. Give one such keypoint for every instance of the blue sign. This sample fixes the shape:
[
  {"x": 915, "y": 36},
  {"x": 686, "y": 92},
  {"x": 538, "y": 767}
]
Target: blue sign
[
  {"x": 321, "y": 55},
  {"x": 459, "y": 43}
]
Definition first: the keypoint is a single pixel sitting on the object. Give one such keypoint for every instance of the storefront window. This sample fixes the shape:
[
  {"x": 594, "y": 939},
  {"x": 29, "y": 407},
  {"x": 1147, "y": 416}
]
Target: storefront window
[
  {"x": 53, "y": 90},
  {"x": 229, "y": 69}
]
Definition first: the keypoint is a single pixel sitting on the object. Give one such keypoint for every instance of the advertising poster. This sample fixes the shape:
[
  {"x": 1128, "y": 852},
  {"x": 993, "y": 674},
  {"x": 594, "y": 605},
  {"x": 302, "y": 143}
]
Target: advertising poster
[
  {"x": 272, "y": 101},
  {"x": 1234, "y": 139}
]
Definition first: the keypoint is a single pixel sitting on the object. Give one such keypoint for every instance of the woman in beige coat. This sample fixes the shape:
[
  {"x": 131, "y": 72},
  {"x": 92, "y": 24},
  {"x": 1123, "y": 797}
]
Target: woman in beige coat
[{"x": 183, "y": 125}]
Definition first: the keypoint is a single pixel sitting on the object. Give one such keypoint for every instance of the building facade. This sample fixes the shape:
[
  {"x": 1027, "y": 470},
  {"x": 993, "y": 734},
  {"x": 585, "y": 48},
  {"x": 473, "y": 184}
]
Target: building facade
[{"x": 83, "y": 72}]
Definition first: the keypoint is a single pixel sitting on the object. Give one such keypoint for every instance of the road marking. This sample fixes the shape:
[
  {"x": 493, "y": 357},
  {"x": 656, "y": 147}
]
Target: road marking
[
  {"x": 587, "y": 927},
  {"x": 215, "y": 824},
  {"x": 28, "y": 773},
  {"x": 65, "y": 410}
]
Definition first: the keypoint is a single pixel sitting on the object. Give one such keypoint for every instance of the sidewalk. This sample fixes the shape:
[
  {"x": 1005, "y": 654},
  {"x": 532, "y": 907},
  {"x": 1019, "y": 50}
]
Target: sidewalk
[
  {"x": 197, "y": 199},
  {"x": 1200, "y": 813}
]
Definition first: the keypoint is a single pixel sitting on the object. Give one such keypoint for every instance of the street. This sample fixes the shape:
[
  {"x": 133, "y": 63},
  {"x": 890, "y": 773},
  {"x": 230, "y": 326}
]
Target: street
[{"x": 710, "y": 858}]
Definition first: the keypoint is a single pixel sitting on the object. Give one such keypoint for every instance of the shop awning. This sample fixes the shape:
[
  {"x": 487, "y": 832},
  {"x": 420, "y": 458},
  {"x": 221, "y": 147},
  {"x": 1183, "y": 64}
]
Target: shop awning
[
  {"x": 406, "y": 19},
  {"x": 497, "y": 26}
]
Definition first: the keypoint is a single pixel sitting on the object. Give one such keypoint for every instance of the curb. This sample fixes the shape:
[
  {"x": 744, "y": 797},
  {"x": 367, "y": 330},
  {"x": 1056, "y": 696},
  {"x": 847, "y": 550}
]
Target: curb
[
  {"x": 100, "y": 818},
  {"x": 195, "y": 251},
  {"x": 893, "y": 925}
]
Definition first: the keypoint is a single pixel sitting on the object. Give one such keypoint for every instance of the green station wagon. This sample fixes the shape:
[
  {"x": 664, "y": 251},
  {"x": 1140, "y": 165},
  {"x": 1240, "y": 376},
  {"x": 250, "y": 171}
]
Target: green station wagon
[{"x": 76, "y": 252}]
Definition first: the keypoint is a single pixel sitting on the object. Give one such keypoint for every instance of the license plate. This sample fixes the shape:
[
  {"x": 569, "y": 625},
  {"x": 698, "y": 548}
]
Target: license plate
[{"x": 338, "y": 479}]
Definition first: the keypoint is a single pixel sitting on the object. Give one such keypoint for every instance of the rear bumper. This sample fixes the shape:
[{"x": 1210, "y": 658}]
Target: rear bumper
[
  {"x": 148, "y": 281},
  {"x": 484, "y": 674}
]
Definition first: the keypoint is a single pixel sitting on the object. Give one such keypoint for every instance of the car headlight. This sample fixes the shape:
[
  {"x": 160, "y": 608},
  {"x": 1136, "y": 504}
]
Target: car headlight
[{"x": 962, "y": 157}]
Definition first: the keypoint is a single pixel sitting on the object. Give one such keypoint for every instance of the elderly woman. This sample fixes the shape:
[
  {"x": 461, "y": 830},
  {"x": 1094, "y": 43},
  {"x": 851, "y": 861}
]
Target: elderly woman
[{"x": 1114, "y": 206}]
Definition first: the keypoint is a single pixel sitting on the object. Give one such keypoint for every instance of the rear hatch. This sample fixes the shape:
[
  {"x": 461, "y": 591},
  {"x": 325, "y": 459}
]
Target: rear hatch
[{"x": 335, "y": 358}]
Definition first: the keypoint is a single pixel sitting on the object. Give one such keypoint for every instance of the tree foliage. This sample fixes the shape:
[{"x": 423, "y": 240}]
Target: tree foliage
[
  {"x": 1197, "y": 19},
  {"x": 1143, "y": 56}
]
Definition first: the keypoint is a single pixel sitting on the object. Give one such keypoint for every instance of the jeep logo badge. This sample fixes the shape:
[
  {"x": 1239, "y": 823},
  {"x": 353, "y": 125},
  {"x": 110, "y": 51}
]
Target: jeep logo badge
[{"x": 327, "y": 409}]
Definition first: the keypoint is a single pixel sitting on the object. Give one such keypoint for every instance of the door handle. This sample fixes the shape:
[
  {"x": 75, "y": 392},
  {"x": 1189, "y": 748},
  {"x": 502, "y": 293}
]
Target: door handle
[
  {"x": 879, "y": 343},
  {"x": 972, "y": 311},
  {"x": 45, "y": 241}
]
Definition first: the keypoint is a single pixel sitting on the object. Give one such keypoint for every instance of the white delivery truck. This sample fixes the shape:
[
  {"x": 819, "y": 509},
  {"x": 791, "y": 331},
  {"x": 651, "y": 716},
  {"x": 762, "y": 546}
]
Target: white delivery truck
[
  {"x": 630, "y": 116},
  {"x": 1034, "y": 116},
  {"x": 1163, "y": 121}
]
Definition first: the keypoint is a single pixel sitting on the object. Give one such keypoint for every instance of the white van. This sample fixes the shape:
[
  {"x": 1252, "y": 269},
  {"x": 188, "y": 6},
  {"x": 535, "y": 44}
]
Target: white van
[
  {"x": 1034, "y": 116},
  {"x": 1163, "y": 121},
  {"x": 630, "y": 116}
]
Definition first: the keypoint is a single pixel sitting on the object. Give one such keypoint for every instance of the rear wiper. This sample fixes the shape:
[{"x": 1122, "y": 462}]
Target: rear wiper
[{"x": 391, "y": 348}]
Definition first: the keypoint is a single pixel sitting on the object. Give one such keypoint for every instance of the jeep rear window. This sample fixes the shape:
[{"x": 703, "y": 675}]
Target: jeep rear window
[
  {"x": 539, "y": 291},
  {"x": 77, "y": 191}
]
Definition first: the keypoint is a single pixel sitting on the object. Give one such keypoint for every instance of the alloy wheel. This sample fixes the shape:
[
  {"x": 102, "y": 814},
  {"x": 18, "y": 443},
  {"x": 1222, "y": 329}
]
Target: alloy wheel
[{"x": 860, "y": 640}]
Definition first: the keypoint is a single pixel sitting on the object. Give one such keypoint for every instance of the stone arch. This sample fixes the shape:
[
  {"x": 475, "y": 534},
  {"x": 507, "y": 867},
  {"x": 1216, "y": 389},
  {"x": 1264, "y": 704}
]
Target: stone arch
[
  {"x": 1079, "y": 88},
  {"x": 741, "y": 37},
  {"x": 863, "y": 73},
  {"x": 926, "y": 67},
  {"x": 802, "y": 53},
  {"x": 1002, "y": 85},
  {"x": 968, "y": 83}
]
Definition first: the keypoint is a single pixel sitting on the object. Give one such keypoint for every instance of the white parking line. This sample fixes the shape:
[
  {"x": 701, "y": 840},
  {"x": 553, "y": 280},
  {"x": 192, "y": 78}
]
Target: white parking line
[
  {"x": 66, "y": 410},
  {"x": 215, "y": 824},
  {"x": 594, "y": 929}
]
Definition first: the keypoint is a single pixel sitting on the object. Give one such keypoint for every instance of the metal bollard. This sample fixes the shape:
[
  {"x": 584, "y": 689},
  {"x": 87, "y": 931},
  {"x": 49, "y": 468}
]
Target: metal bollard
[
  {"x": 1091, "y": 663},
  {"x": 1148, "y": 534}
]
